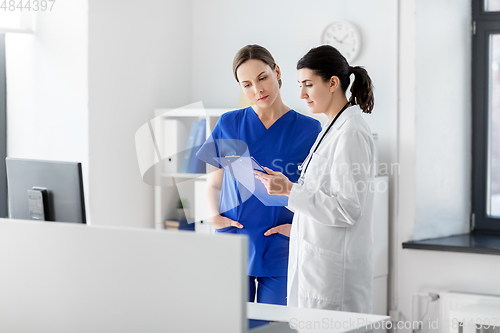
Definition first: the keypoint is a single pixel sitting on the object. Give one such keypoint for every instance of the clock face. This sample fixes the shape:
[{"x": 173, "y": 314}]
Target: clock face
[{"x": 344, "y": 37}]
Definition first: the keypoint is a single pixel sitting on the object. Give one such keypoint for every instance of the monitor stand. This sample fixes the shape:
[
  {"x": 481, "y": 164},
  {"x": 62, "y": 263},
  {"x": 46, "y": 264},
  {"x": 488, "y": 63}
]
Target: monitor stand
[{"x": 38, "y": 203}]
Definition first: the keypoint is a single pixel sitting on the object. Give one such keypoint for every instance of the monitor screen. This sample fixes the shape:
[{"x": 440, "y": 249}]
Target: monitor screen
[{"x": 45, "y": 190}]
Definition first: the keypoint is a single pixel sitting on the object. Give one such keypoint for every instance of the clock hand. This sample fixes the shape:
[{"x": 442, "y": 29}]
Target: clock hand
[{"x": 343, "y": 38}]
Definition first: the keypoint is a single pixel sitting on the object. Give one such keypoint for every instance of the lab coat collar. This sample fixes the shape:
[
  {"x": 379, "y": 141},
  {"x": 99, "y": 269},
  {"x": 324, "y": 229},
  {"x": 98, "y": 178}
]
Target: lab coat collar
[{"x": 348, "y": 113}]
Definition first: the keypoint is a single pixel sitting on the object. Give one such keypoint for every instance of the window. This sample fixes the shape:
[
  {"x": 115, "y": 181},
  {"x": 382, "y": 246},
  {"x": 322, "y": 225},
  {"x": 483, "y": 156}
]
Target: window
[
  {"x": 492, "y": 5},
  {"x": 3, "y": 130},
  {"x": 486, "y": 115}
]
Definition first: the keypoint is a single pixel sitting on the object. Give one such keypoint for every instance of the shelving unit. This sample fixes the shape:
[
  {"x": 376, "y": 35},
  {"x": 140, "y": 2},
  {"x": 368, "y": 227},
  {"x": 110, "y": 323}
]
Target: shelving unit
[{"x": 171, "y": 128}]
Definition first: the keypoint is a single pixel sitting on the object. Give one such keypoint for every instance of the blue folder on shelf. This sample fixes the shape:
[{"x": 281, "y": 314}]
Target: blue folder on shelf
[
  {"x": 196, "y": 165},
  {"x": 241, "y": 167},
  {"x": 189, "y": 151}
]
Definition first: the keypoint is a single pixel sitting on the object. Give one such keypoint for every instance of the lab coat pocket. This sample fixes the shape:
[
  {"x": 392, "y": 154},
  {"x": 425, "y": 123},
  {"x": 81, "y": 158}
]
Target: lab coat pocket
[{"x": 320, "y": 274}]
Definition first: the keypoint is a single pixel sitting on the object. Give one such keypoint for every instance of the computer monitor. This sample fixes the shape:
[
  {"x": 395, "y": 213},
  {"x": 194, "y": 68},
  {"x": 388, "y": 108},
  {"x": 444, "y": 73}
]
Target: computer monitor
[{"x": 45, "y": 190}]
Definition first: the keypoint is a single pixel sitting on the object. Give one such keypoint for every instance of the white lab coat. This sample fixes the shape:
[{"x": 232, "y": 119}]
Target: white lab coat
[{"x": 330, "y": 264}]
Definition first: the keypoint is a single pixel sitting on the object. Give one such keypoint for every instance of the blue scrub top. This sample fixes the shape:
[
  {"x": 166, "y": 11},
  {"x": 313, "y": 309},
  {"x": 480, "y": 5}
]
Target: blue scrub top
[{"x": 281, "y": 147}]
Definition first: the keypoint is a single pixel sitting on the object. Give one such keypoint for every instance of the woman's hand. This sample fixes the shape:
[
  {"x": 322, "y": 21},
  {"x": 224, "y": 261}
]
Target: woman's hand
[
  {"x": 283, "y": 229},
  {"x": 219, "y": 222},
  {"x": 275, "y": 182}
]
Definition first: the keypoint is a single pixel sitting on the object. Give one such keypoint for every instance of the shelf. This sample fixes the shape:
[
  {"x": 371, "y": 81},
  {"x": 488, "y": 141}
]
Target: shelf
[
  {"x": 172, "y": 127},
  {"x": 185, "y": 175},
  {"x": 181, "y": 113}
]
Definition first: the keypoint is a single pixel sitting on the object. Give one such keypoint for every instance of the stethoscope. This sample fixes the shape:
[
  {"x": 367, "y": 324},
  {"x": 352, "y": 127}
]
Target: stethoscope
[{"x": 309, "y": 157}]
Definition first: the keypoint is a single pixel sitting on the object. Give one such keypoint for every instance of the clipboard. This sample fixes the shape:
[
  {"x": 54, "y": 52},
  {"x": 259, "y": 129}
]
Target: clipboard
[
  {"x": 256, "y": 165},
  {"x": 241, "y": 168}
]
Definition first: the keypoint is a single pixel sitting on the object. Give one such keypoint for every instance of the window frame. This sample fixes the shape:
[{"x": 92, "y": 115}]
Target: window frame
[
  {"x": 3, "y": 130},
  {"x": 484, "y": 23}
]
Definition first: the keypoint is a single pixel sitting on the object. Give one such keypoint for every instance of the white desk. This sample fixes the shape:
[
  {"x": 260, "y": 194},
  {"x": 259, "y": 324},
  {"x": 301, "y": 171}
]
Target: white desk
[
  {"x": 313, "y": 320},
  {"x": 63, "y": 277}
]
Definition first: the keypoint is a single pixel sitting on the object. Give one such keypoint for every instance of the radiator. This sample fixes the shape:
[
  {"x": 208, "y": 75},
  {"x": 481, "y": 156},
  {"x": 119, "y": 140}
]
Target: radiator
[{"x": 454, "y": 300}]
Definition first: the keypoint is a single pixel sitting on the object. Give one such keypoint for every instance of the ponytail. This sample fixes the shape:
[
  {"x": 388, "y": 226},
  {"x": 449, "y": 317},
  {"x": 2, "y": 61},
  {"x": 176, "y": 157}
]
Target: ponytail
[{"x": 361, "y": 89}]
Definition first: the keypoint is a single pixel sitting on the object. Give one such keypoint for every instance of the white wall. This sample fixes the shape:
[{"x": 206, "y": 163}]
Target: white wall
[
  {"x": 139, "y": 60},
  {"x": 90, "y": 76},
  {"x": 222, "y": 27},
  {"x": 404, "y": 200},
  {"x": 47, "y": 92},
  {"x": 435, "y": 154}
]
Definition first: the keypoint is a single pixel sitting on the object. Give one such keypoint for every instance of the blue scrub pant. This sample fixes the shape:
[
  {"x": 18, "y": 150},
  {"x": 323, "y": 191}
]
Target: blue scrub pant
[{"x": 270, "y": 290}]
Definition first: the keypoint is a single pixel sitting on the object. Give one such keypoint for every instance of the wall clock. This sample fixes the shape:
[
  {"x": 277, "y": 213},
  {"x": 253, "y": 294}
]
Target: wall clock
[{"x": 345, "y": 37}]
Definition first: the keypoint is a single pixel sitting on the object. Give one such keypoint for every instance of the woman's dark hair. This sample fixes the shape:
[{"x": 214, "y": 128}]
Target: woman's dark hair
[
  {"x": 326, "y": 61},
  {"x": 256, "y": 52}
]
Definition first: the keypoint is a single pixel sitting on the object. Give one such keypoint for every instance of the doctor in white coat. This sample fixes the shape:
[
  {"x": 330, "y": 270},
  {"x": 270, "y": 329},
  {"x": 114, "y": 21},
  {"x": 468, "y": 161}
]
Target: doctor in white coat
[{"x": 330, "y": 262}]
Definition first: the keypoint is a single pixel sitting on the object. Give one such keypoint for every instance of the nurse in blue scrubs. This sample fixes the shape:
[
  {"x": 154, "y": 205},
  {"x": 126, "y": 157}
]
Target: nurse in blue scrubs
[{"x": 275, "y": 136}]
